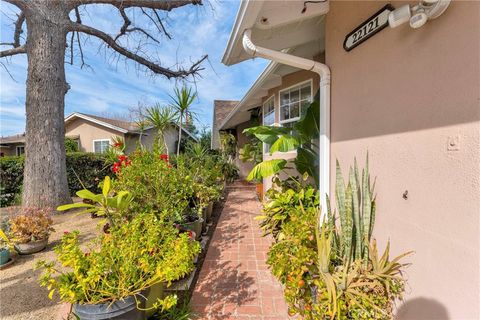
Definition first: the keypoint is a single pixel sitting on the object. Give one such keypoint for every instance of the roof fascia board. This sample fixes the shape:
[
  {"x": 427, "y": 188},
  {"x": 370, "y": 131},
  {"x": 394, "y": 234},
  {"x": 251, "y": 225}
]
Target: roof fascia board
[
  {"x": 107, "y": 125},
  {"x": 248, "y": 8},
  {"x": 251, "y": 92}
]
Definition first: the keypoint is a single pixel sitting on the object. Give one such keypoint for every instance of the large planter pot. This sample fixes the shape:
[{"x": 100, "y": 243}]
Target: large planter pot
[
  {"x": 204, "y": 217},
  {"x": 195, "y": 226},
  {"x": 259, "y": 187},
  {"x": 31, "y": 247},
  {"x": 125, "y": 309},
  {"x": 4, "y": 256},
  {"x": 209, "y": 211}
]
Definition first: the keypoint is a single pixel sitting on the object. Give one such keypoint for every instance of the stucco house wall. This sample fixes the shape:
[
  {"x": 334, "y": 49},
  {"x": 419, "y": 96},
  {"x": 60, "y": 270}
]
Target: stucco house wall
[
  {"x": 11, "y": 150},
  {"x": 411, "y": 98},
  {"x": 89, "y": 131},
  {"x": 242, "y": 139}
]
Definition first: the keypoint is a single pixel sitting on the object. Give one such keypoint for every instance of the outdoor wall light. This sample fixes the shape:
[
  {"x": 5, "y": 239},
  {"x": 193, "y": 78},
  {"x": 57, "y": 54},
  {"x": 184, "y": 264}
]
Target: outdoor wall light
[{"x": 419, "y": 14}]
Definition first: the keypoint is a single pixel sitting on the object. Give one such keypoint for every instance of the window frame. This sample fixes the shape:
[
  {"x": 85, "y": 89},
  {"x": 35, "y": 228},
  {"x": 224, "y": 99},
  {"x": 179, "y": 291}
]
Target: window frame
[
  {"x": 268, "y": 100},
  {"x": 298, "y": 84},
  {"x": 100, "y": 140},
  {"x": 18, "y": 148}
]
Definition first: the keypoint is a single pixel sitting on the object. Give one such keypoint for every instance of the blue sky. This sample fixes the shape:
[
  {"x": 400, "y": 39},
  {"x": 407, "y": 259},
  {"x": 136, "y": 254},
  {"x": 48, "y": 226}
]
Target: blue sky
[{"x": 110, "y": 88}]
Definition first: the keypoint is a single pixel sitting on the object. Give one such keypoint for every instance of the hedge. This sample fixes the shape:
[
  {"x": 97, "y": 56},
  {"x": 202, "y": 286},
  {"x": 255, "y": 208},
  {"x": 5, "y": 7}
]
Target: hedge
[{"x": 83, "y": 170}]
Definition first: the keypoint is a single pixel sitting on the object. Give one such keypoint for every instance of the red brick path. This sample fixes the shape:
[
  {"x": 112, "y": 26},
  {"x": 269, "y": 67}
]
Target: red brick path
[{"x": 234, "y": 282}]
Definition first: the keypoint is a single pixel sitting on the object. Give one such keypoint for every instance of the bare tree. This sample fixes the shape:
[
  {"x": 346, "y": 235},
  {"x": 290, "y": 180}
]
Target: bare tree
[{"x": 50, "y": 33}]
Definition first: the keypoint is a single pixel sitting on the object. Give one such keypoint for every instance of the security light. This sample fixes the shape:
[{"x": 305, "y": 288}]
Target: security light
[{"x": 419, "y": 14}]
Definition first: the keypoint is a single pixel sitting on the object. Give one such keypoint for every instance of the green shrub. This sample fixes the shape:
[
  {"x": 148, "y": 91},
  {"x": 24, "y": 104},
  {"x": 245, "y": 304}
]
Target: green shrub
[
  {"x": 128, "y": 259},
  {"x": 11, "y": 179},
  {"x": 82, "y": 168},
  {"x": 71, "y": 145}
]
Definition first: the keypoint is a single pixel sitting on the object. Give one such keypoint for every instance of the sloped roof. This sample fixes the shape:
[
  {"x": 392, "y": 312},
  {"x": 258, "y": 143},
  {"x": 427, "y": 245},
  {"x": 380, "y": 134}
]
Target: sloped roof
[
  {"x": 124, "y": 124},
  {"x": 221, "y": 109},
  {"x": 13, "y": 139}
]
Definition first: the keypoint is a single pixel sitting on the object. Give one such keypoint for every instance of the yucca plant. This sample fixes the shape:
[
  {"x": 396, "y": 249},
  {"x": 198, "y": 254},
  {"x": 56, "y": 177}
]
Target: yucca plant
[
  {"x": 161, "y": 118},
  {"x": 181, "y": 102}
]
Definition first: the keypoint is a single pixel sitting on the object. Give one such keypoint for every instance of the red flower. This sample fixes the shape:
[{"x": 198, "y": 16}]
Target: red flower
[
  {"x": 66, "y": 232},
  {"x": 190, "y": 234},
  {"x": 164, "y": 157},
  {"x": 117, "y": 144}
]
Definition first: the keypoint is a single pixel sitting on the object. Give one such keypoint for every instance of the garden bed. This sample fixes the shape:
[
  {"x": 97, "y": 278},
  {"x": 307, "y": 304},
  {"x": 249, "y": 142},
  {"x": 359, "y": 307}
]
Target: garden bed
[{"x": 22, "y": 297}]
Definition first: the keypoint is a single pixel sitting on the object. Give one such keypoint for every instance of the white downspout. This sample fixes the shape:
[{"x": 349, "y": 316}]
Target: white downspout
[{"x": 324, "y": 73}]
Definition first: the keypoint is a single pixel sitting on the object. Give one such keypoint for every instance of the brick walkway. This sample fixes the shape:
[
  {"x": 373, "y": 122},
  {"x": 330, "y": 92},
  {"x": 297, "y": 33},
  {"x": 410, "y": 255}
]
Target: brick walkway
[{"x": 234, "y": 282}]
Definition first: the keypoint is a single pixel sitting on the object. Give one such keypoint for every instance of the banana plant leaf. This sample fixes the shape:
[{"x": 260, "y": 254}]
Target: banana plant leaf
[
  {"x": 308, "y": 127},
  {"x": 267, "y": 134},
  {"x": 266, "y": 168},
  {"x": 284, "y": 143},
  {"x": 307, "y": 162}
]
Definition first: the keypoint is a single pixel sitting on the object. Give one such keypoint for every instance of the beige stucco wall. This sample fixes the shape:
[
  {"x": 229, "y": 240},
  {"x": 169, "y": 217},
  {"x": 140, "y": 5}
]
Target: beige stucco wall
[
  {"x": 89, "y": 131},
  {"x": 404, "y": 95},
  {"x": 11, "y": 150},
  {"x": 149, "y": 138}
]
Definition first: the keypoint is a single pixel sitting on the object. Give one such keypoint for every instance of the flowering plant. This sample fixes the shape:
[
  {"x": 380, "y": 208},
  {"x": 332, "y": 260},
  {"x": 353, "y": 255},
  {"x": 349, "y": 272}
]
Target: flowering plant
[
  {"x": 133, "y": 256},
  {"x": 32, "y": 224},
  {"x": 123, "y": 161}
]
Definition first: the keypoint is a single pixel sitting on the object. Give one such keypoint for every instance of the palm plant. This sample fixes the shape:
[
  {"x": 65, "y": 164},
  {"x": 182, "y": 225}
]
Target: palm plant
[
  {"x": 161, "y": 117},
  {"x": 181, "y": 102}
]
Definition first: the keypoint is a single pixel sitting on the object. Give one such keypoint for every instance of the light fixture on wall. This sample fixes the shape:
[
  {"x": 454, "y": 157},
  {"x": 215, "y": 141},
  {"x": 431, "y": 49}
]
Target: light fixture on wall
[{"x": 419, "y": 14}]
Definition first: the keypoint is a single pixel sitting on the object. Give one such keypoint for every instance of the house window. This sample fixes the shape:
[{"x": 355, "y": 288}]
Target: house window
[
  {"x": 294, "y": 102},
  {"x": 101, "y": 146},
  {"x": 20, "y": 150},
  {"x": 268, "y": 118}
]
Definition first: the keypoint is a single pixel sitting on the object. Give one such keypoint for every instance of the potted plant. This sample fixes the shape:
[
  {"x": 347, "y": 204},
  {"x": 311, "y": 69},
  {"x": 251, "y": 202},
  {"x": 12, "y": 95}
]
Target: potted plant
[
  {"x": 191, "y": 220},
  {"x": 29, "y": 231},
  {"x": 5, "y": 244},
  {"x": 121, "y": 273}
]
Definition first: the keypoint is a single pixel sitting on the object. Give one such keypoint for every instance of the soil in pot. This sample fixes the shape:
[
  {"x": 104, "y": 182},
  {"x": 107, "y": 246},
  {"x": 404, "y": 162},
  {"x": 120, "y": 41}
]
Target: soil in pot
[{"x": 31, "y": 247}]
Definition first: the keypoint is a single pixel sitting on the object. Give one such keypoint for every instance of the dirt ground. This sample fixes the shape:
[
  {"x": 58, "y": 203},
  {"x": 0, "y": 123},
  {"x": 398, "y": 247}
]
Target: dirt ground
[{"x": 21, "y": 297}]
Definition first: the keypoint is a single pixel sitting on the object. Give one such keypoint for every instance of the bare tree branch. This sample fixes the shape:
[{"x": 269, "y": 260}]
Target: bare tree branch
[
  {"x": 158, "y": 23},
  {"x": 166, "y": 5},
  {"x": 18, "y": 29},
  {"x": 22, "y": 4},
  {"x": 13, "y": 51},
  {"x": 180, "y": 73}
]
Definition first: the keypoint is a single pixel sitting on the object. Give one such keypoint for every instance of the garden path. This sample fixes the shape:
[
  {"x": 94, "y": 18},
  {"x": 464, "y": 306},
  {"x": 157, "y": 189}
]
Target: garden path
[{"x": 234, "y": 282}]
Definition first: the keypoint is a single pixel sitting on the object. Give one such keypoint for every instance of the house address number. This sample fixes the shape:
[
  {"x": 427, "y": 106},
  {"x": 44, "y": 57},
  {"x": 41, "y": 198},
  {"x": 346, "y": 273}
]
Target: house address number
[{"x": 368, "y": 28}]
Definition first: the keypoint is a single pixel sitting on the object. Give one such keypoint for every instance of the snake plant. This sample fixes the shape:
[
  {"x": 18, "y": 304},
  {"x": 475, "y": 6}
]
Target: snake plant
[{"x": 356, "y": 209}]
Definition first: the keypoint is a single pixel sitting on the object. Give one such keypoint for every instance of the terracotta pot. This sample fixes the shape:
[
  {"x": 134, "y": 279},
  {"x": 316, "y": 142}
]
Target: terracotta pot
[
  {"x": 259, "y": 187},
  {"x": 31, "y": 247}
]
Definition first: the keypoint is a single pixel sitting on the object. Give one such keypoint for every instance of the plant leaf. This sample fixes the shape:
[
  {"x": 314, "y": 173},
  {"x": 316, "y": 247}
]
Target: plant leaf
[
  {"x": 266, "y": 169},
  {"x": 106, "y": 186},
  {"x": 284, "y": 143}
]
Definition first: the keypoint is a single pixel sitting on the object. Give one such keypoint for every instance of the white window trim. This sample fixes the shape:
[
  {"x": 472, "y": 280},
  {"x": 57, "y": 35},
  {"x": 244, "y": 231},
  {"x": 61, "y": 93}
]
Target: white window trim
[
  {"x": 97, "y": 140},
  {"x": 17, "y": 148},
  {"x": 298, "y": 84},
  {"x": 272, "y": 97}
]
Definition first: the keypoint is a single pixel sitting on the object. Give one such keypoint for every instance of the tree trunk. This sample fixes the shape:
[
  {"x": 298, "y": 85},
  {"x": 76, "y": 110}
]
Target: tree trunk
[
  {"x": 179, "y": 134},
  {"x": 45, "y": 175}
]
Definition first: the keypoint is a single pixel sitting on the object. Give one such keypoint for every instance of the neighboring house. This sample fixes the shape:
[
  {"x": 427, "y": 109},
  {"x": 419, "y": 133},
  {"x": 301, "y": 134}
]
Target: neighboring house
[
  {"x": 96, "y": 134},
  {"x": 410, "y": 97},
  {"x": 221, "y": 108}
]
